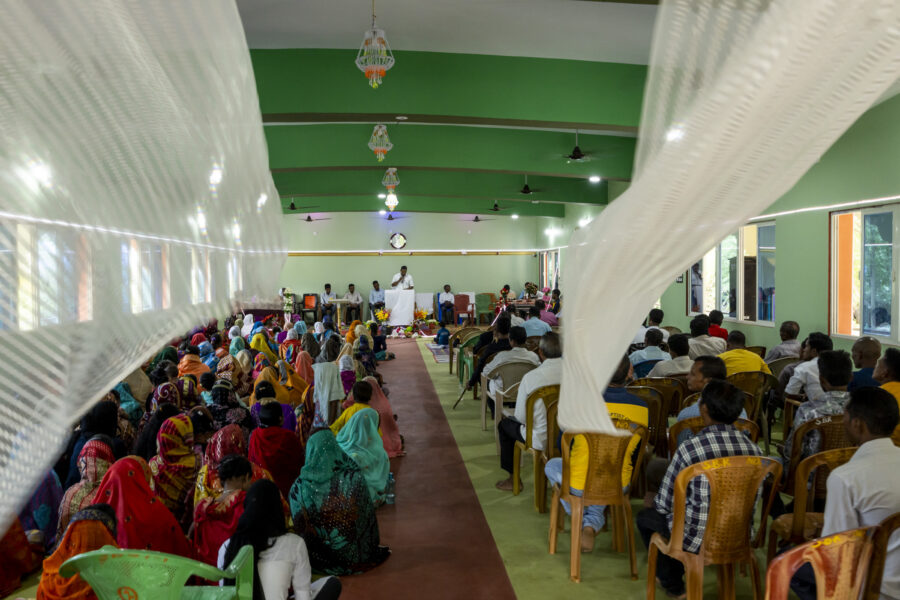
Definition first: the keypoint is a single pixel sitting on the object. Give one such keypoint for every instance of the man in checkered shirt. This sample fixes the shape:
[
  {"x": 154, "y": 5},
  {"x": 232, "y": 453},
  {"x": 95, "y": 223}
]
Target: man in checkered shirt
[{"x": 720, "y": 404}]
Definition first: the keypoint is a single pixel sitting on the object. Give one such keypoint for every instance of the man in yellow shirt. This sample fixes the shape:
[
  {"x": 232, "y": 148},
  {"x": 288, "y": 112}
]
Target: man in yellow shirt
[
  {"x": 362, "y": 393},
  {"x": 887, "y": 372},
  {"x": 621, "y": 405},
  {"x": 738, "y": 359}
]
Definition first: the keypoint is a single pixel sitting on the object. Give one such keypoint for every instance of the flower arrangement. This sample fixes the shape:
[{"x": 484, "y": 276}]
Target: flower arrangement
[
  {"x": 531, "y": 289},
  {"x": 420, "y": 314},
  {"x": 383, "y": 315}
]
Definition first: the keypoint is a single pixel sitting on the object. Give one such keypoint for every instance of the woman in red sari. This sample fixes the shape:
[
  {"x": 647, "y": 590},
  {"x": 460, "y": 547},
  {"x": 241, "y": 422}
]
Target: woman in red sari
[
  {"x": 227, "y": 441},
  {"x": 94, "y": 461},
  {"x": 215, "y": 518},
  {"x": 174, "y": 468},
  {"x": 143, "y": 521}
]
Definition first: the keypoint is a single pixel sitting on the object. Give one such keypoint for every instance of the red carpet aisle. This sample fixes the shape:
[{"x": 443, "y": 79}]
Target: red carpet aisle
[{"x": 442, "y": 547}]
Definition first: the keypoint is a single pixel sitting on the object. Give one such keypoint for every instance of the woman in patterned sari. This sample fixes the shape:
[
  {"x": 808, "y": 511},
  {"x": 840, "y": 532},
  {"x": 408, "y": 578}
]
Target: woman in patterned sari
[
  {"x": 174, "y": 468},
  {"x": 260, "y": 362},
  {"x": 290, "y": 347},
  {"x": 216, "y": 517},
  {"x": 93, "y": 462},
  {"x": 331, "y": 504},
  {"x": 308, "y": 342},
  {"x": 189, "y": 391},
  {"x": 292, "y": 382},
  {"x": 227, "y": 410},
  {"x": 227, "y": 441},
  {"x": 231, "y": 370}
]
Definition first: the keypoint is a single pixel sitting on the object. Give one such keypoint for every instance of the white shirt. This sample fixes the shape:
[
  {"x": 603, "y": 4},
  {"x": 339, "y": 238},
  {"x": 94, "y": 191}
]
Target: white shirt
[
  {"x": 677, "y": 366},
  {"x": 445, "y": 297},
  {"x": 806, "y": 377},
  {"x": 284, "y": 564},
  {"x": 327, "y": 297},
  {"x": 549, "y": 373},
  {"x": 706, "y": 345},
  {"x": 354, "y": 298},
  {"x": 517, "y": 354},
  {"x": 864, "y": 492},
  {"x": 642, "y": 331},
  {"x": 649, "y": 353},
  {"x": 515, "y": 320},
  {"x": 406, "y": 284}
]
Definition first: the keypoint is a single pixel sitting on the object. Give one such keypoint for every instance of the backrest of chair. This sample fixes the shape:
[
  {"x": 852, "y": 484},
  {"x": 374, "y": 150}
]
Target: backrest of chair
[
  {"x": 461, "y": 302},
  {"x": 879, "y": 552},
  {"x": 688, "y": 400},
  {"x": 493, "y": 298},
  {"x": 840, "y": 563},
  {"x": 822, "y": 464},
  {"x": 553, "y": 431},
  {"x": 657, "y": 423},
  {"x": 672, "y": 390},
  {"x": 644, "y": 367},
  {"x": 756, "y": 383},
  {"x": 733, "y": 484},
  {"x": 310, "y": 301},
  {"x": 778, "y": 365},
  {"x": 758, "y": 350},
  {"x": 832, "y": 434},
  {"x": 550, "y": 396},
  {"x": 469, "y": 339},
  {"x": 696, "y": 424},
  {"x": 533, "y": 342},
  {"x": 607, "y": 454},
  {"x": 512, "y": 372},
  {"x": 671, "y": 329},
  {"x": 482, "y": 302}
]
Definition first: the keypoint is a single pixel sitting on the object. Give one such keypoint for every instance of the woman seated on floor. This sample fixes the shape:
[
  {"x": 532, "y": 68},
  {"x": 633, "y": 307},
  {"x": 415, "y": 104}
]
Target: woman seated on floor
[
  {"x": 216, "y": 517},
  {"x": 360, "y": 440},
  {"x": 331, "y": 504}
]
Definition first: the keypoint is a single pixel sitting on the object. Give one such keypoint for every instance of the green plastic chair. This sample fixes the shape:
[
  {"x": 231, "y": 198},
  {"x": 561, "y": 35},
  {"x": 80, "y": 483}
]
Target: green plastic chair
[
  {"x": 465, "y": 359},
  {"x": 121, "y": 574},
  {"x": 483, "y": 307}
]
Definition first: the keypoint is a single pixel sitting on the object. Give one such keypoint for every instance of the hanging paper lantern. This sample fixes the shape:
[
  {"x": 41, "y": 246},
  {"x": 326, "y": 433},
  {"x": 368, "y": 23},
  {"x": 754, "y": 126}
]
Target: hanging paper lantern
[
  {"x": 380, "y": 143},
  {"x": 374, "y": 57},
  {"x": 390, "y": 181}
]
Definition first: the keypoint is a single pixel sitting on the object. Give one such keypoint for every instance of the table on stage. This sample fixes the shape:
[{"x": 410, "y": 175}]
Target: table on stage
[
  {"x": 401, "y": 303},
  {"x": 338, "y": 303}
]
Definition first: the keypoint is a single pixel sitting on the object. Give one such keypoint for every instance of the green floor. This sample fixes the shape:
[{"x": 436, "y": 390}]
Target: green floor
[{"x": 521, "y": 533}]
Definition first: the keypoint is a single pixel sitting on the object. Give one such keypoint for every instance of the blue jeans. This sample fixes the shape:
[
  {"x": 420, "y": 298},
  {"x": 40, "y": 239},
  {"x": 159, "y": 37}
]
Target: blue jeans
[{"x": 593, "y": 515}]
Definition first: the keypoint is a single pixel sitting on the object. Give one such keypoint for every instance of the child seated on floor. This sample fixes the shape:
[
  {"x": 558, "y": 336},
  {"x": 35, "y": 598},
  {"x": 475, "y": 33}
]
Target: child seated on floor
[
  {"x": 442, "y": 338},
  {"x": 361, "y": 394}
]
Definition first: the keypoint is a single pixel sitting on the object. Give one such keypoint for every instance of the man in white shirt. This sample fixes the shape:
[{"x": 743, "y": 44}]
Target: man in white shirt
[
  {"x": 679, "y": 347},
  {"x": 354, "y": 307},
  {"x": 806, "y": 374},
  {"x": 402, "y": 280},
  {"x": 651, "y": 350},
  {"x": 376, "y": 298},
  {"x": 864, "y": 491},
  {"x": 512, "y": 429},
  {"x": 703, "y": 344},
  {"x": 654, "y": 320},
  {"x": 518, "y": 353},
  {"x": 326, "y": 307},
  {"x": 534, "y": 326},
  {"x": 445, "y": 302}
]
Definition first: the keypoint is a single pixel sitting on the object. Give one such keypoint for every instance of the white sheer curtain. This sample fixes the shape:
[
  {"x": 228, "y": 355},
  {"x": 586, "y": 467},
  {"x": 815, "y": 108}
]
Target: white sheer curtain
[
  {"x": 135, "y": 202},
  {"x": 743, "y": 96}
]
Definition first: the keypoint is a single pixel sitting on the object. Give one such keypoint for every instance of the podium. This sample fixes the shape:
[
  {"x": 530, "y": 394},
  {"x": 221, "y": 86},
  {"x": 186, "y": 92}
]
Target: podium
[{"x": 401, "y": 303}]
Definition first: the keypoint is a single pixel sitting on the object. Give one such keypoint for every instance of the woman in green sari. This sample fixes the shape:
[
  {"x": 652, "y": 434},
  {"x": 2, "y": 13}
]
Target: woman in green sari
[
  {"x": 360, "y": 440},
  {"x": 330, "y": 504}
]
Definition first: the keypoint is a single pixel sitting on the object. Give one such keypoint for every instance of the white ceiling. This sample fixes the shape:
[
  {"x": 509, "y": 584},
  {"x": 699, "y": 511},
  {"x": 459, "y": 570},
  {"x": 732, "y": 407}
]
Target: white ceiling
[{"x": 570, "y": 29}]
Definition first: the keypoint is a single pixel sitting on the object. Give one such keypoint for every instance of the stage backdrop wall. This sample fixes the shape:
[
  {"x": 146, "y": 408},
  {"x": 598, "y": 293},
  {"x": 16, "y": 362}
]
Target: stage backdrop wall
[{"x": 424, "y": 231}]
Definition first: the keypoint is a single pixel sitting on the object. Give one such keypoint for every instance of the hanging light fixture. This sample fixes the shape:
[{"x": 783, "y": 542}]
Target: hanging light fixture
[
  {"x": 374, "y": 57},
  {"x": 380, "y": 143},
  {"x": 390, "y": 181},
  {"x": 391, "y": 201}
]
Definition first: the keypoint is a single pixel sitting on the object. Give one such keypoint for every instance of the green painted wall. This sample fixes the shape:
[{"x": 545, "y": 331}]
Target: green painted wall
[
  {"x": 425, "y": 231},
  {"x": 861, "y": 165}
]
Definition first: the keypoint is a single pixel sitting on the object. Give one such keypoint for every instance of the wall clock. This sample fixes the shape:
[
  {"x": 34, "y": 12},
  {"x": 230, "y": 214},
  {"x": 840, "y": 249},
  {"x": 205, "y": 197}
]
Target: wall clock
[{"x": 398, "y": 241}]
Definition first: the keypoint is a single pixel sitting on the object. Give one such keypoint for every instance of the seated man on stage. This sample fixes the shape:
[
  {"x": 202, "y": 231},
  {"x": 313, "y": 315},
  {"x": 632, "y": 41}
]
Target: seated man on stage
[
  {"x": 354, "y": 308},
  {"x": 445, "y": 301},
  {"x": 327, "y": 307},
  {"x": 402, "y": 280},
  {"x": 376, "y": 298}
]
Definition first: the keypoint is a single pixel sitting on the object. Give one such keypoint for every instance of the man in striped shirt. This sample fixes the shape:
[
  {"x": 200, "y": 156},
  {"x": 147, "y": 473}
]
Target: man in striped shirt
[{"x": 720, "y": 404}]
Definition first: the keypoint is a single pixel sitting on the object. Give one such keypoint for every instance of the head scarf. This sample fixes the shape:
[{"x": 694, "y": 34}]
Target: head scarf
[
  {"x": 191, "y": 364},
  {"x": 278, "y": 451},
  {"x": 42, "y": 508},
  {"x": 260, "y": 344},
  {"x": 346, "y": 350},
  {"x": 341, "y": 530},
  {"x": 260, "y": 362},
  {"x": 237, "y": 344},
  {"x": 197, "y": 339},
  {"x": 168, "y": 353},
  {"x": 318, "y": 328},
  {"x": 228, "y": 440},
  {"x": 292, "y": 334},
  {"x": 94, "y": 461},
  {"x": 226, "y": 410},
  {"x": 245, "y": 359},
  {"x": 303, "y": 366},
  {"x": 208, "y": 356},
  {"x": 271, "y": 375},
  {"x": 166, "y": 393},
  {"x": 360, "y": 440},
  {"x": 310, "y": 345},
  {"x": 91, "y": 529},
  {"x": 365, "y": 356},
  {"x": 351, "y": 331},
  {"x": 248, "y": 325},
  {"x": 294, "y": 384},
  {"x": 190, "y": 394},
  {"x": 133, "y": 409},
  {"x": 291, "y": 346},
  {"x": 234, "y": 333},
  {"x": 142, "y": 520},
  {"x": 390, "y": 433},
  {"x": 231, "y": 370},
  {"x": 328, "y": 388},
  {"x": 174, "y": 467},
  {"x": 300, "y": 328}
]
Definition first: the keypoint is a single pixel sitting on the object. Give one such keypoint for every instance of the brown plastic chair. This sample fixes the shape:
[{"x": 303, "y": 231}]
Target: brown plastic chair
[
  {"x": 462, "y": 305},
  {"x": 802, "y": 526},
  {"x": 658, "y": 419},
  {"x": 511, "y": 373},
  {"x": 603, "y": 486},
  {"x": 832, "y": 434},
  {"x": 778, "y": 365},
  {"x": 688, "y": 400},
  {"x": 549, "y": 394},
  {"x": 672, "y": 390},
  {"x": 759, "y": 384},
  {"x": 840, "y": 563},
  {"x": 879, "y": 553},
  {"x": 695, "y": 424},
  {"x": 733, "y": 484},
  {"x": 758, "y": 350}
]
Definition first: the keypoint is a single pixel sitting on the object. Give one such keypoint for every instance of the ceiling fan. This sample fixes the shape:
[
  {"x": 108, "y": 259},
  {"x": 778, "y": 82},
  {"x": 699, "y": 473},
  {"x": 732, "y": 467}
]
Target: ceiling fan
[
  {"x": 576, "y": 155},
  {"x": 497, "y": 207},
  {"x": 477, "y": 219},
  {"x": 526, "y": 189},
  {"x": 309, "y": 219},
  {"x": 293, "y": 206},
  {"x": 391, "y": 217}
]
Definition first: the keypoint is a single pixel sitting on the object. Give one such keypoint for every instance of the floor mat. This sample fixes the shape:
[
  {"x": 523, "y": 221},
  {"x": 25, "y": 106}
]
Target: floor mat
[{"x": 440, "y": 353}]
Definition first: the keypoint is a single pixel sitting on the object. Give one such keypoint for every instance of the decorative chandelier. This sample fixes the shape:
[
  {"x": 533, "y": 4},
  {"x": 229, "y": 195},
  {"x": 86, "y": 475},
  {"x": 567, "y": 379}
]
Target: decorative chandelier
[
  {"x": 374, "y": 57},
  {"x": 380, "y": 143},
  {"x": 390, "y": 181},
  {"x": 391, "y": 201}
]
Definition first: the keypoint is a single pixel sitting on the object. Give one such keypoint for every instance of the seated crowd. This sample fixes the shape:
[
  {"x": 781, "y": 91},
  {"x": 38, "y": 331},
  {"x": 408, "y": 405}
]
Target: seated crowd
[{"x": 262, "y": 434}]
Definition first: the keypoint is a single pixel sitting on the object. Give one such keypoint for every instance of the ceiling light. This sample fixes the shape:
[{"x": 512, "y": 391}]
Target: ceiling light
[
  {"x": 401, "y": 118},
  {"x": 391, "y": 201},
  {"x": 380, "y": 143},
  {"x": 215, "y": 176},
  {"x": 594, "y": 179},
  {"x": 514, "y": 216},
  {"x": 382, "y": 212},
  {"x": 382, "y": 196},
  {"x": 374, "y": 57},
  {"x": 390, "y": 180},
  {"x": 674, "y": 134}
]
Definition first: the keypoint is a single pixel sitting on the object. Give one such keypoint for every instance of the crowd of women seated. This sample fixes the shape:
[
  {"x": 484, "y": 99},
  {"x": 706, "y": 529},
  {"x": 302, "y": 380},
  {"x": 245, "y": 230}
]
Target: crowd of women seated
[{"x": 222, "y": 440}]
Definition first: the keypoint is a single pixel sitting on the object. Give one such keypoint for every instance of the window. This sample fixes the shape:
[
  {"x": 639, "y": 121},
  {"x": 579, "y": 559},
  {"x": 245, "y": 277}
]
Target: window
[
  {"x": 719, "y": 281},
  {"x": 863, "y": 263}
]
